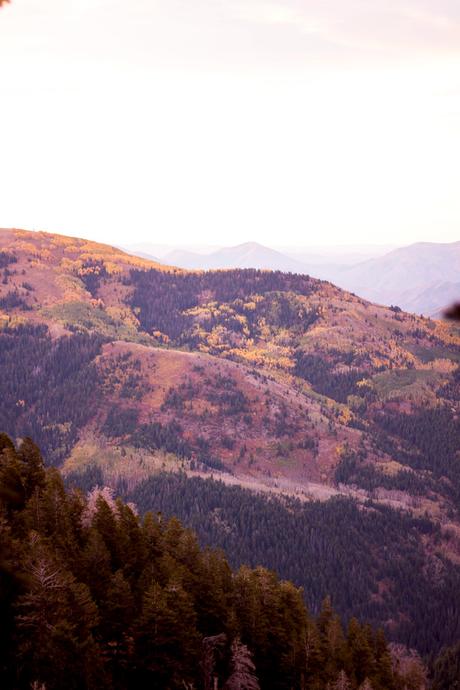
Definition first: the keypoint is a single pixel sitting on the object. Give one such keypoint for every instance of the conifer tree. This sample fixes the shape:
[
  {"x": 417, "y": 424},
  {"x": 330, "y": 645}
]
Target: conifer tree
[
  {"x": 360, "y": 652},
  {"x": 167, "y": 644},
  {"x": 105, "y": 522},
  {"x": 314, "y": 661},
  {"x": 325, "y": 616},
  {"x": 34, "y": 473},
  {"x": 12, "y": 480},
  {"x": 95, "y": 564},
  {"x": 117, "y": 609},
  {"x": 383, "y": 663}
]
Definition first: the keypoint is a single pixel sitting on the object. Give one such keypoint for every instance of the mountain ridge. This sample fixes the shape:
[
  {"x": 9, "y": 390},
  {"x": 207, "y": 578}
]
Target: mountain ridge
[
  {"x": 406, "y": 276},
  {"x": 245, "y": 255},
  {"x": 414, "y": 269},
  {"x": 298, "y": 332}
]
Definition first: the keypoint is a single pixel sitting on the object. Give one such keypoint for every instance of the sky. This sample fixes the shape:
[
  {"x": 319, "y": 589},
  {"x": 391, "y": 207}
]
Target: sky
[{"x": 293, "y": 122}]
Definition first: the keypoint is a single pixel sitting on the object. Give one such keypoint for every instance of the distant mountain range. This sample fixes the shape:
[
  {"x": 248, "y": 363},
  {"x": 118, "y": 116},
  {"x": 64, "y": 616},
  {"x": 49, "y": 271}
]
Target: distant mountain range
[
  {"x": 421, "y": 278},
  {"x": 247, "y": 255}
]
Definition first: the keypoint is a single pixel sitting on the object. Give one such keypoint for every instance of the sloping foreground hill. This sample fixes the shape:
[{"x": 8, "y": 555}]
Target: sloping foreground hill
[{"x": 122, "y": 370}]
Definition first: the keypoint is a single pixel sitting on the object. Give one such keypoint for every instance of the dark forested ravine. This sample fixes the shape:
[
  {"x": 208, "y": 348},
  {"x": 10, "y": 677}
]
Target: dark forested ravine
[{"x": 375, "y": 568}]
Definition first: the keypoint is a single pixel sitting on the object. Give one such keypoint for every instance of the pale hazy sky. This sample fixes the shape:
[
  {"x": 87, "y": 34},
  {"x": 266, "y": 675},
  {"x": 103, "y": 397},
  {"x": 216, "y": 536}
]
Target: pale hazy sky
[{"x": 223, "y": 121}]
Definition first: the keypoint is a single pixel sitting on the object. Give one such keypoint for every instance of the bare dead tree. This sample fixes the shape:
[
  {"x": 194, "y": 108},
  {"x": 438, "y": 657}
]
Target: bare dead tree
[
  {"x": 211, "y": 647},
  {"x": 243, "y": 676},
  {"x": 342, "y": 682}
]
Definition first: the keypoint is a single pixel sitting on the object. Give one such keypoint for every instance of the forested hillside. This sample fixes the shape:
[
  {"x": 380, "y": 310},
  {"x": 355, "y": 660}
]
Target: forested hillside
[
  {"x": 371, "y": 560},
  {"x": 94, "y": 597},
  {"x": 149, "y": 380}
]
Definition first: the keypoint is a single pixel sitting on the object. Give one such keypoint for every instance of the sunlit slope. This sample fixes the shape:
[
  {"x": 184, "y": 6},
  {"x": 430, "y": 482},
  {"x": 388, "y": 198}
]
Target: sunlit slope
[{"x": 55, "y": 278}]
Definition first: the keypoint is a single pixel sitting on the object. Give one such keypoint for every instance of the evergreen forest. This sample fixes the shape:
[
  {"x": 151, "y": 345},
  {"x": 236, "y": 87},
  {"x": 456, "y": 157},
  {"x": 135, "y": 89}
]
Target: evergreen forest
[{"x": 93, "y": 596}]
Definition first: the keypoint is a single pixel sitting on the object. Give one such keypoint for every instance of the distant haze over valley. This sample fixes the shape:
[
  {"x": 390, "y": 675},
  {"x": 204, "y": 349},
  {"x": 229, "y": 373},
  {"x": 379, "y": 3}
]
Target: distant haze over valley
[{"x": 422, "y": 278}]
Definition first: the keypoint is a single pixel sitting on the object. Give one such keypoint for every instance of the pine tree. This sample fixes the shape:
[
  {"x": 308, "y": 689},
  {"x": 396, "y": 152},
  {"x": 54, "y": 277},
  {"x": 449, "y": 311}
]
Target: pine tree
[
  {"x": 117, "y": 612},
  {"x": 94, "y": 567},
  {"x": 48, "y": 512},
  {"x": 360, "y": 651},
  {"x": 314, "y": 662},
  {"x": 105, "y": 522},
  {"x": 384, "y": 675},
  {"x": 212, "y": 594},
  {"x": 12, "y": 480},
  {"x": 325, "y": 616},
  {"x": 34, "y": 473},
  {"x": 167, "y": 643}
]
